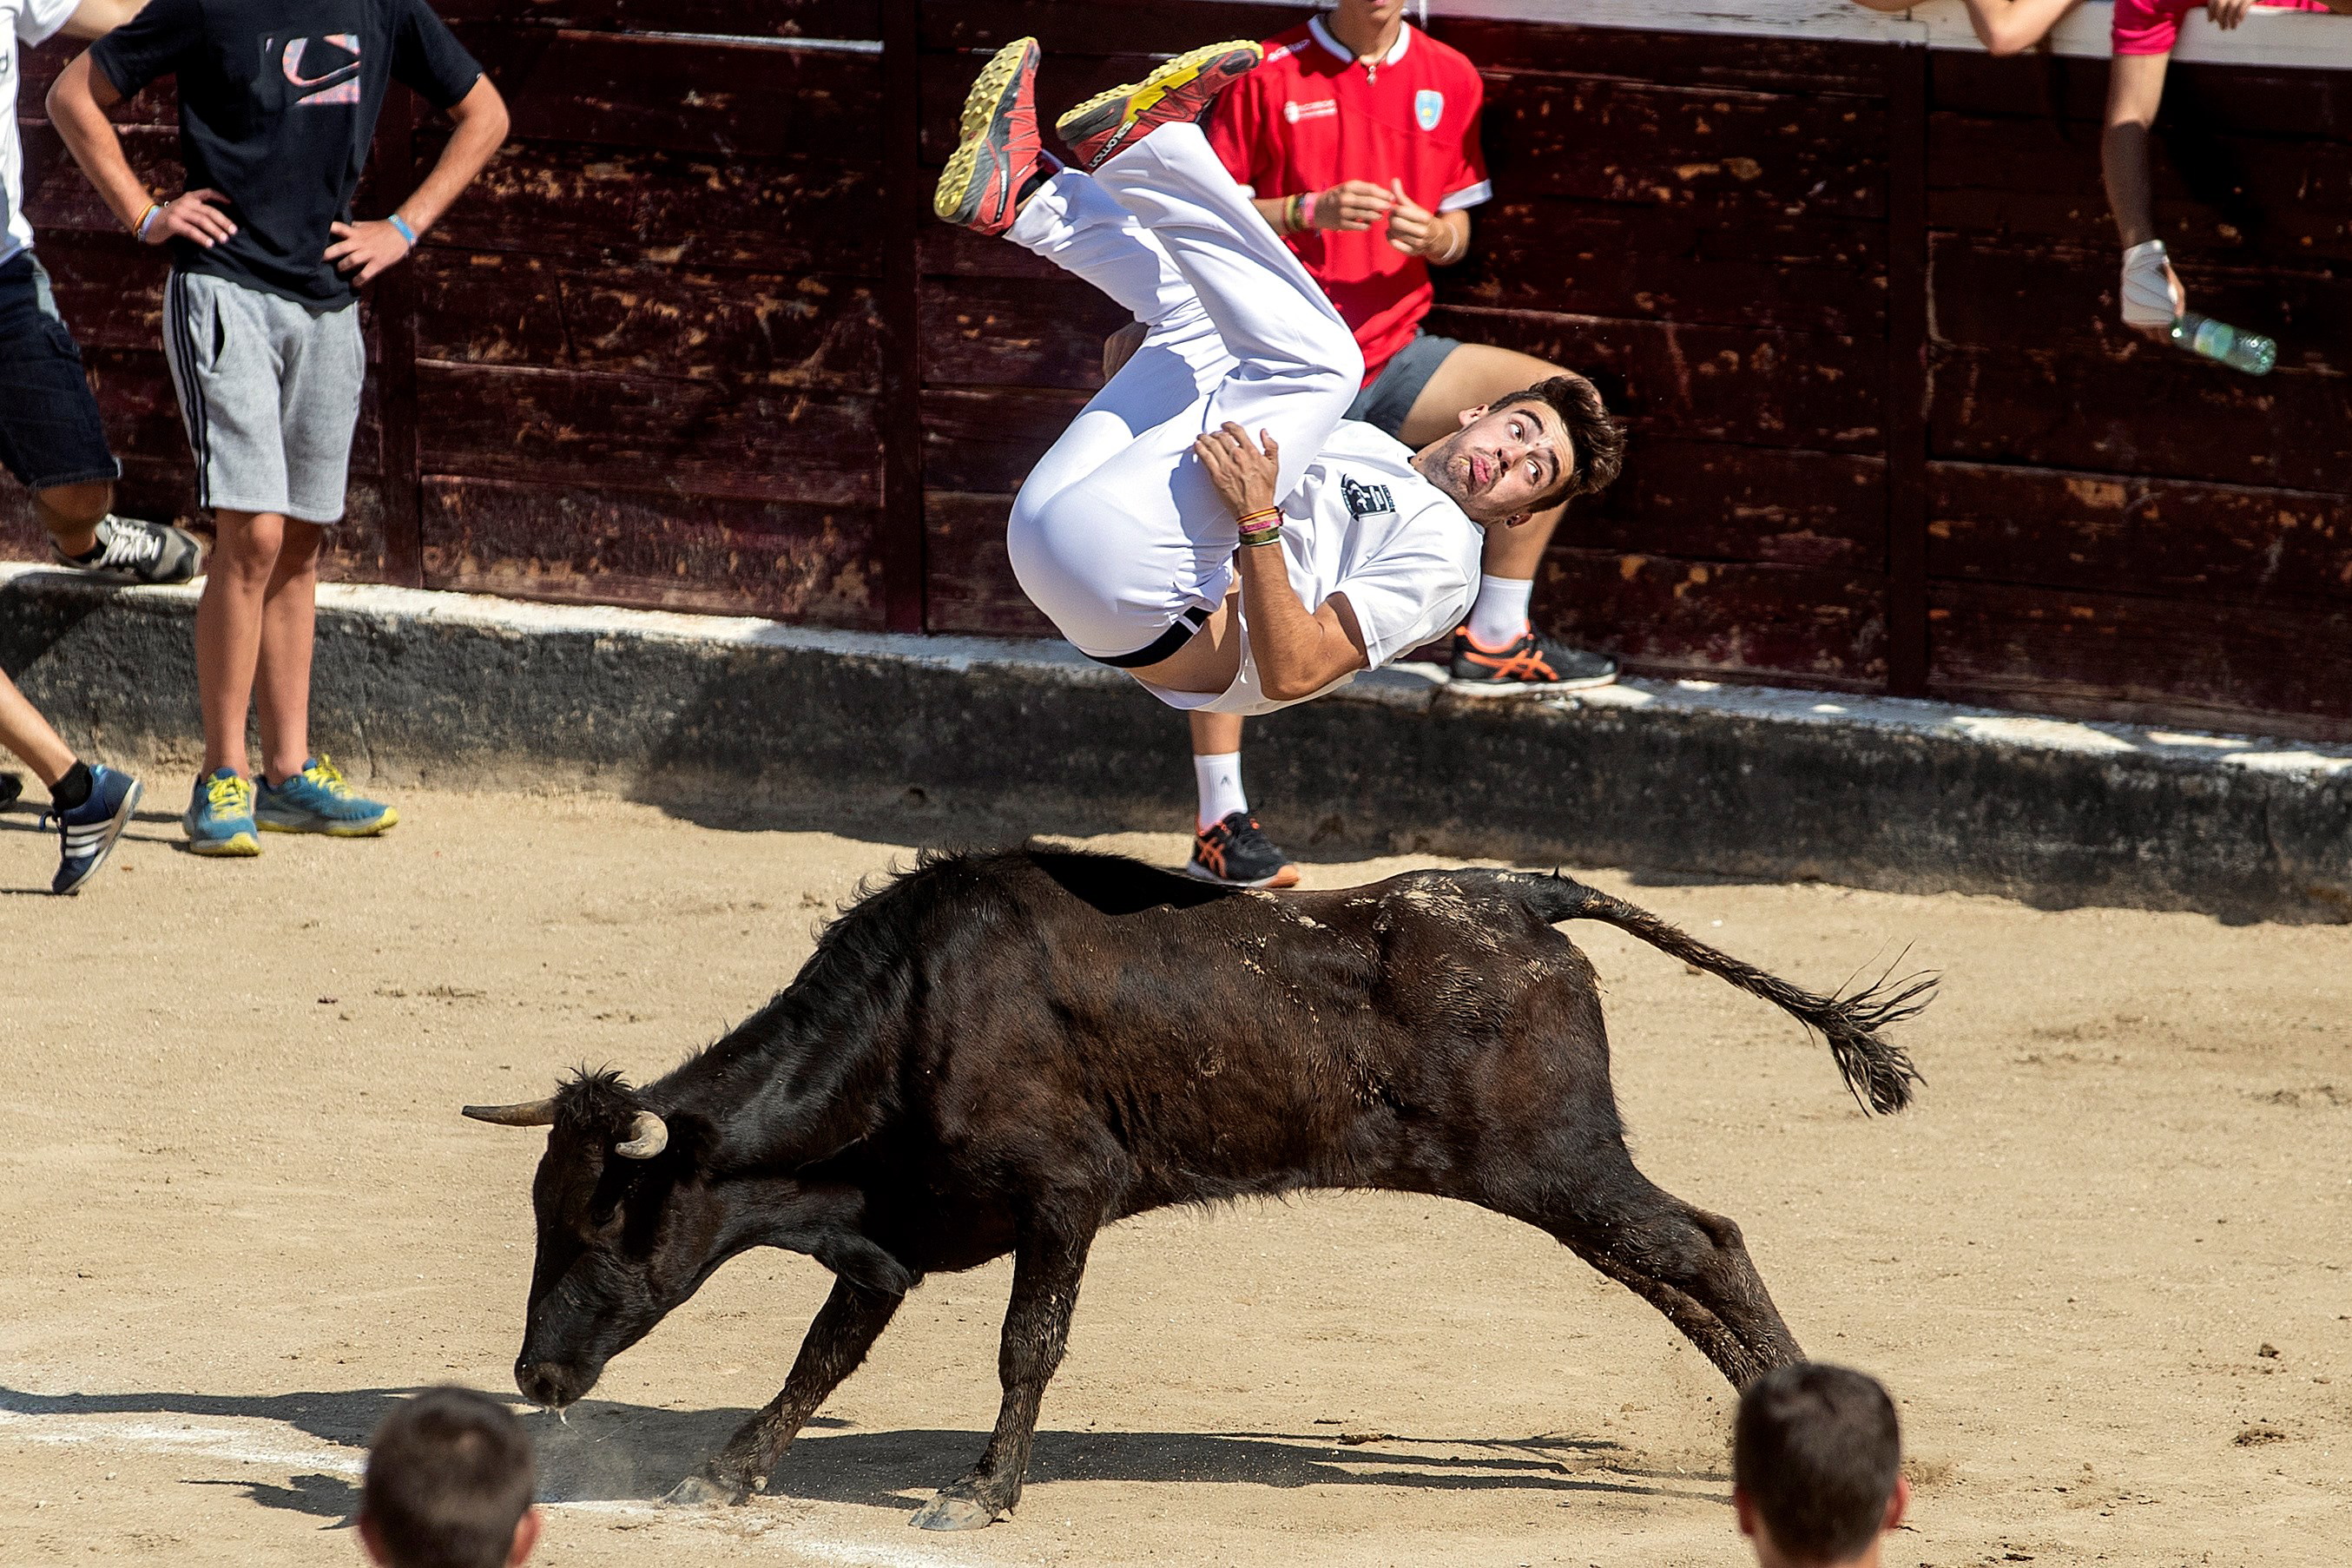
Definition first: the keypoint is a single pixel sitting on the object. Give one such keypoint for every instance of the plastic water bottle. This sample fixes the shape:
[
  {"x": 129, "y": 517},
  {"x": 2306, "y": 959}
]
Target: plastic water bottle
[{"x": 2238, "y": 349}]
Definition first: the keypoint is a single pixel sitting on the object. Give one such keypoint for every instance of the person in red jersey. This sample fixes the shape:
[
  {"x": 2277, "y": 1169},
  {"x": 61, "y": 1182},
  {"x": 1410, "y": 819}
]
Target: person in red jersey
[{"x": 1358, "y": 138}]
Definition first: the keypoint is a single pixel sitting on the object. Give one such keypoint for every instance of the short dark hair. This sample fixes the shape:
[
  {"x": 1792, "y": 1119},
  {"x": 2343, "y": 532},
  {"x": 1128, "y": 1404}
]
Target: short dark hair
[
  {"x": 450, "y": 1473},
  {"x": 1600, "y": 445},
  {"x": 1818, "y": 1448}
]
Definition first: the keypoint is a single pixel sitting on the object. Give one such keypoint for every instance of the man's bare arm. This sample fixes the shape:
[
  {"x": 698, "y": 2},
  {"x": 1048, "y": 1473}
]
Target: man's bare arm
[
  {"x": 78, "y": 103},
  {"x": 1298, "y": 652},
  {"x": 363, "y": 250}
]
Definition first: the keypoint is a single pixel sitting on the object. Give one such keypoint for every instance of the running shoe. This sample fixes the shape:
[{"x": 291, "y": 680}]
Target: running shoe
[
  {"x": 220, "y": 815},
  {"x": 317, "y": 800},
  {"x": 998, "y": 149},
  {"x": 142, "y": 552},
  {"x": 86, "y": 834},
  {"x": 1236, "y": 853},
  {"x": 1180, "y": 91},
  {"x": 1531, "y": 664}
]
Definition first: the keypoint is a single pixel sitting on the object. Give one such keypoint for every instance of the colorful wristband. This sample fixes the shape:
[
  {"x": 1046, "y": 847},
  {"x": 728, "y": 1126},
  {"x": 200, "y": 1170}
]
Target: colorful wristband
[
  {"x": 139, "y": 229},
  {"x": 1306, "y": 209},
  {"x": 1262, "y": 536},
  {"x": 400, "y": 226}
]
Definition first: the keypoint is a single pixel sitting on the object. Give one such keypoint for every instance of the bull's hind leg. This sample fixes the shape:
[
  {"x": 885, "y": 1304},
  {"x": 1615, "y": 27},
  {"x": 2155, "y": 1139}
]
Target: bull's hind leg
[
  {"x": 845, "y": 1329},
  {"x": 1047, "y": 1267},
  {"x": 1687, "y": 1263}
]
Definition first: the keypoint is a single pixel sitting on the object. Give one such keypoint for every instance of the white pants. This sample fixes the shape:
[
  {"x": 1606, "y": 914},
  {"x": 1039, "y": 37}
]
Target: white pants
[{"x": 1117, "y": 533}]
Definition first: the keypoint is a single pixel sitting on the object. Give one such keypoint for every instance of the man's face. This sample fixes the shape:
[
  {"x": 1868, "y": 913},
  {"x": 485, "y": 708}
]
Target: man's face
[
  {"x": 1375, "y": 13},
  {"x": 1502, "y": 462}
]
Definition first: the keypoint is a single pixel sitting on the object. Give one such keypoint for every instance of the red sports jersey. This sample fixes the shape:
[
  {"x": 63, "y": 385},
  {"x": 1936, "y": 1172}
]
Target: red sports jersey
[{"x": 1311, "y": 116}]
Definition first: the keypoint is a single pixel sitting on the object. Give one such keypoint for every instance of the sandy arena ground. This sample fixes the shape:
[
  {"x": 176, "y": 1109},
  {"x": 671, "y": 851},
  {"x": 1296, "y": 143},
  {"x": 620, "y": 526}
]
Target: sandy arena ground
[{"x": 2101, "y": 1263}]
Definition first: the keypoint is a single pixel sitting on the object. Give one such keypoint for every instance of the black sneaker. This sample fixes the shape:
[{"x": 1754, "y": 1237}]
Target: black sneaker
[
  {"x": 11, "y": 786},
  {"x": 1531, "y": 664},
  {"x": 1235, "y": 853},
  {"x": 143, "y": 551}
]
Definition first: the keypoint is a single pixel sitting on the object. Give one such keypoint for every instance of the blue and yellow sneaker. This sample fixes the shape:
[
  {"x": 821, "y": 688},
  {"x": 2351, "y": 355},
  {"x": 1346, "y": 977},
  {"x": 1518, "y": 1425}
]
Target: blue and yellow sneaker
[
  {"x": 317, "y": 800},
  {"x": 220, "y": 815},
  {"x": 86, "y": 834}
]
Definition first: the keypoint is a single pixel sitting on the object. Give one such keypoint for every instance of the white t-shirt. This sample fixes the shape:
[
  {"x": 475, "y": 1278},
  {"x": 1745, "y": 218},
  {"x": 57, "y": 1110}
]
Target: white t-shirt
[
  {"x": 33, "y": 21},
  {"x": 1365, "y": 523}
]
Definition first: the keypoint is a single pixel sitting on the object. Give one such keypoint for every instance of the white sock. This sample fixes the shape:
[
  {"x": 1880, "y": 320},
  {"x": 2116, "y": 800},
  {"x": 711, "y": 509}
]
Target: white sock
[
  {"x": 1219, "y": 778},
  {"x": 1499, "y": 619}
]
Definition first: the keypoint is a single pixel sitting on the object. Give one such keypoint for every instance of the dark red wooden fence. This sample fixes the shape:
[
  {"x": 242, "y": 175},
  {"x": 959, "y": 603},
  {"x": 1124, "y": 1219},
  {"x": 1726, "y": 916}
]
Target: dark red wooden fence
[{"x": 694, "y": 342}]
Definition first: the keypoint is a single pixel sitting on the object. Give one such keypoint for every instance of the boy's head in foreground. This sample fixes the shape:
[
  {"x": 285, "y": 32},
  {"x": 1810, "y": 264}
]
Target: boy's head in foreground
[
  {"x": 1816, "y": 1466},
  {"x": 450, "y": 1476}
]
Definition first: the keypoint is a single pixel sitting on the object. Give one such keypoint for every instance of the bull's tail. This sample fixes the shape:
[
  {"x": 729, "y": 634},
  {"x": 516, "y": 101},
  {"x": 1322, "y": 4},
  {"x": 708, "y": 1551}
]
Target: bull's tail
[{"x": 1879, "y": 1074}]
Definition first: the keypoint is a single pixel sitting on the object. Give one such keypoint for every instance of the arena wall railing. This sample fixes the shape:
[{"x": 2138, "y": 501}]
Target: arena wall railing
[{"x": 695, "y": 343}]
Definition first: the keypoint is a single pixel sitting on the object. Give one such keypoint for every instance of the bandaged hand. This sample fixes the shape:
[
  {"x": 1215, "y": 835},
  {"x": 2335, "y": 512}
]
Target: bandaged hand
[{"x": 2151, "y": 295}]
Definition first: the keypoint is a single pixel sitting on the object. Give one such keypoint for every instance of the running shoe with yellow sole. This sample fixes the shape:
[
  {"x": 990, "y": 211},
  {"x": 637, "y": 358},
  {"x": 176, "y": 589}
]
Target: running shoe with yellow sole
[
  {"x": 317, "y": 800},
  {"x": 997, "y": 150},
  {"x": 1178, "y": 91},
  {"x": 220, "y": 815}
]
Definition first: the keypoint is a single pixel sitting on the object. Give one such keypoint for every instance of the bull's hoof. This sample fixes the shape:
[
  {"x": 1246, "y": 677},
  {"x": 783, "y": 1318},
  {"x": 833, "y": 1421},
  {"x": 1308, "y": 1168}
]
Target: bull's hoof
[
  {"x": 946, "y": 1513},
  {"x": 700, "y": 1491}
]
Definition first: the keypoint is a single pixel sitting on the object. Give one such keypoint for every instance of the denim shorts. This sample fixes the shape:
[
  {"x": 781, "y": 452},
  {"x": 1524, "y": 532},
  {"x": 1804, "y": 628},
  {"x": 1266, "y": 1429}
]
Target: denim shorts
[
  {"x": 51, "y": 434},
  {"x": 1386, "y": 401}
]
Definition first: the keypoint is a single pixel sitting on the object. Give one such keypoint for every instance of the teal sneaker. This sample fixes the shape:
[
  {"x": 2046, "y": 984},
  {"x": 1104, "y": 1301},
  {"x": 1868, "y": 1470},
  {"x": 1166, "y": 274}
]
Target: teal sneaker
[
  {"x": 317, "y": 800},
  {"x": 220, "y": 815}
]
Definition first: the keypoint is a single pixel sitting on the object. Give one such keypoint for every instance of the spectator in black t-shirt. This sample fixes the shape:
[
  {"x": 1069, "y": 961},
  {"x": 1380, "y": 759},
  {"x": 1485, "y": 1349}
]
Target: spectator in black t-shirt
[{"x": 279, "y": 102}]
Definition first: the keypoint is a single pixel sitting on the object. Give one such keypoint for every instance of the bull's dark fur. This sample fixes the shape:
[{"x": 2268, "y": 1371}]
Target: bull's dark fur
[{"x": 1005, "y": 1052}]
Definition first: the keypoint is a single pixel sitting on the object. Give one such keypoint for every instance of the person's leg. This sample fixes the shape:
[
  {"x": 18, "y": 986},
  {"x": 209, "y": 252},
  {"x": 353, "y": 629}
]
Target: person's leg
[
  {"x": 1217, "y": 766},
  {"x": 91, "y": 802},
  {"x": 289, "y": 627},
  {"x": 2150, "y": 295},
  {"x": 71, "y": 514},
  {"x": 24, "y": 731},
  {"x": 228, "y": 630}
]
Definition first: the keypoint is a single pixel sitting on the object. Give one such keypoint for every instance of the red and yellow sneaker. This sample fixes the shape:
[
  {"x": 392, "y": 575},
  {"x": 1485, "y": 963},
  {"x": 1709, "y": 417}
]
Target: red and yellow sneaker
[
  {"x": 999, "y": 150},
  {"x": 1533, "y": 663},
  {"x": 1236, "y": 853},
  {"x": 1182, "y": 89}
]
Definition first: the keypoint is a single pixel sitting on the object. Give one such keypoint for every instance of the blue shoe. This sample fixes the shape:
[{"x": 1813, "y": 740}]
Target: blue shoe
[
  {"x": 86, "y": 835},
  {"x": 220, "y": 815},
  {"x": 317, "y": 800}
]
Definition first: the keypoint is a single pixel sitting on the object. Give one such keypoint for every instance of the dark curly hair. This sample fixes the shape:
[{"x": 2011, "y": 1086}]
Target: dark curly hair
[{"x": 1600, "y": 445}]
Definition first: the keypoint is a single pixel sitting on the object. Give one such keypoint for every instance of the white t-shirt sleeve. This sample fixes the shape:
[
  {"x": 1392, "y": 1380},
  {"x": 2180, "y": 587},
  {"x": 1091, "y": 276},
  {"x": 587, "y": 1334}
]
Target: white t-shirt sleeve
[
  {"x": 1414, "y": 591},
  {"x": 39, "y": 20}
]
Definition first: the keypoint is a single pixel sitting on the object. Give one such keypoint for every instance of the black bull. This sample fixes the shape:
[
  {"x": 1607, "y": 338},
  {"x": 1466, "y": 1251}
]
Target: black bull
[{"x": 1005, "y": 1052}]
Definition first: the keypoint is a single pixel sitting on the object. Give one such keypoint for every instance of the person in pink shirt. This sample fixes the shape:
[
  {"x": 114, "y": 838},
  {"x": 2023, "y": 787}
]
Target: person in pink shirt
[{"x": 2144, "y": 31}]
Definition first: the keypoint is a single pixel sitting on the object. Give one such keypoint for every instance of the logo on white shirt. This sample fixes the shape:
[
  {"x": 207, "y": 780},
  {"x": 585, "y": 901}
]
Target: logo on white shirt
[
  {"x": 1365, "y": 500},
  {"x": 1320, "y": 109},
  {"x": 1429, "y": 107}
]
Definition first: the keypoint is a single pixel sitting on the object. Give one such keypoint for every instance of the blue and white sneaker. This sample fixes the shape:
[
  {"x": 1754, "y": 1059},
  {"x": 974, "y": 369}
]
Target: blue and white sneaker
[
  {"x": 220, "y": 815},
  {"x": 86, "y": 835},
  {"x": 317, "y": 800}
]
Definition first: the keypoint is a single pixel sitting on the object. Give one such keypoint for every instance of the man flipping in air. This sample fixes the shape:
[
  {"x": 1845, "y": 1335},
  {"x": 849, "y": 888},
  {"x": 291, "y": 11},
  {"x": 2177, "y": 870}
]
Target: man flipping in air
[{"x": 1210, "y": 522}]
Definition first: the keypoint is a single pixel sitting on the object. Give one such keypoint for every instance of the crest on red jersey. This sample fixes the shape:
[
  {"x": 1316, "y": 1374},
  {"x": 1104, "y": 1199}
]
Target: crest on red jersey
[{"x": 1429, "y": 107}]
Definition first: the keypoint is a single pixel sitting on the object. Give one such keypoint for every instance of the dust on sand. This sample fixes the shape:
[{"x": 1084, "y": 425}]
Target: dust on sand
[{"x": 2101, "y": 1263}]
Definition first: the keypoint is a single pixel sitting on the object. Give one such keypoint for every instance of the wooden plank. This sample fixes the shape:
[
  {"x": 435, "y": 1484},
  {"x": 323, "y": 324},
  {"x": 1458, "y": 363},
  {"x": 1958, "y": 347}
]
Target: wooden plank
[
  {"x": 991, "y": 332},
  {"x": 767, "y": 18},
  {"x": 2287, "y": 671},
  {"x": 986, "y": 441},
  {"x": 58, "y": 200},
  {"x": 133, "y": 388},
  {"x": 1713, "y": 383},
  {"x": 902, "y": 544},
  {"x": 391, "y": 312},
  {"x": 2198, "y": 98},
  {"x": 597, "y": 544},
  {"x": 2159, "y": 412},
  {"x": 712, "y": 100},
  {"x": 1907, "y": 371},
  {"x": 1679, "y": 60},
  {"x": 2232, "y": 195},
  {"x": 1700, "y": 500},
  {"x": 1593, "y": 258},
  {"x": 109, "y": 287},
  {"x": 2216, "y": 543},
  {"x": 812, "y": 331},
  {"x": 969, "y": 585},
  {"x": 681, "y": 438},
  {"x": 1664, "y": 617},
  {"x": 1729, "y": 151},
  {"x": 622, "y": 205},
  {"x": 159, "y": 104},
  {"x": 1994, "y": 296},
  {"x": 1080, "y": 26}
]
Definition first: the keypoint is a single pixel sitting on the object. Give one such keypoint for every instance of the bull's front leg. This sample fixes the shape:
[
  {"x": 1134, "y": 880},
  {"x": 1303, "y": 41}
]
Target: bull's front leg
[
  {"x": 845, "y": 1329},
  {"x": 1046, "y": 1267}
]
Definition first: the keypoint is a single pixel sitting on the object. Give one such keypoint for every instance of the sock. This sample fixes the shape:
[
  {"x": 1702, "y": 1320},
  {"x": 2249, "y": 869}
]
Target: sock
[
  {"x": 72, "y": 791},
  {"x": 1499, "y": 619},
  {"x": 1219, "y": 778},
  {"x": 88, "y": 557}
]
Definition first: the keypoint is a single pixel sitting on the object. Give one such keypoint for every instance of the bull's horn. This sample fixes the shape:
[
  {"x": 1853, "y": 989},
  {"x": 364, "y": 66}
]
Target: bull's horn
[
  {"x": 648, "y": 1137},
  {"x": 526, "y": 1113}
]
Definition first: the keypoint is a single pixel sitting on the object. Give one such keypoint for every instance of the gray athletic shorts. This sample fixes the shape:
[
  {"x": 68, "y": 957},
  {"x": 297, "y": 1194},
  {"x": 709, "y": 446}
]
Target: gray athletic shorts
[
  {"x": 1386, "y": 402},
  {"x": 269, "y": 391}
]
